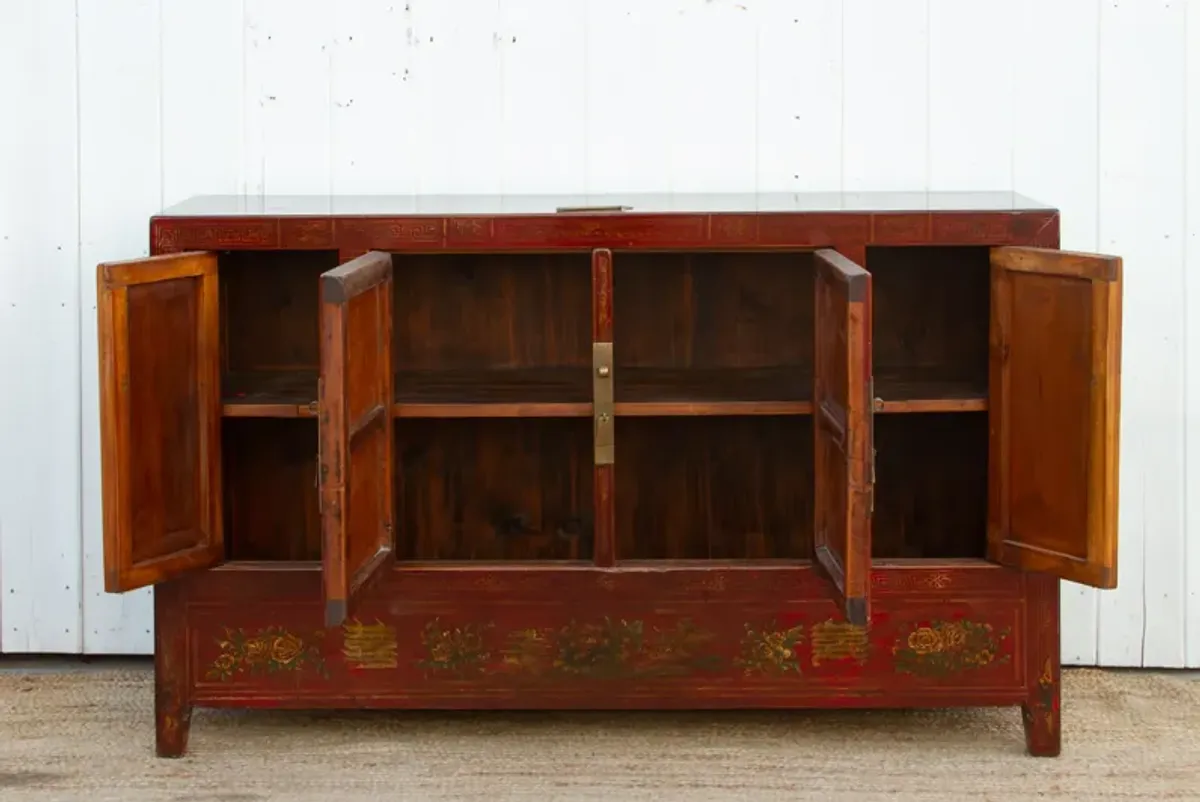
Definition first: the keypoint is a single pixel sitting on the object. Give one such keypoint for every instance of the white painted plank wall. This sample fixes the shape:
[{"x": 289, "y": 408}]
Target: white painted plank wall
[{"x": 116, "y": 108}]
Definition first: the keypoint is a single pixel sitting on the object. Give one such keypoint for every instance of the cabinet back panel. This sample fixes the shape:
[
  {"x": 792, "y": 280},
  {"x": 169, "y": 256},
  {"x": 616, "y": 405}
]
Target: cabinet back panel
[
  {"x": 492, "y": 311},
  {"x": 713, "y": 310},
  {"x": 714, "y": 487},
  {"x": 930, "y": 315},
  {"x": 269, "y": 309},
  {"x": 271, "y": 506},
  {"x": 494, "y": 489},
  {"x": 931, "y": 485}
]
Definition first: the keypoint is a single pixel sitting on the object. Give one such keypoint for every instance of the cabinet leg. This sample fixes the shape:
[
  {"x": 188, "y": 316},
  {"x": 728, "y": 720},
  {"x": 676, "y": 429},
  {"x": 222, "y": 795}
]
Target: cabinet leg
[
  {"x": 172, "y": 722},
  {"x": 172, "y": 677},
  {"x": 1043, "y": 725},
  {"x": 1042, "y": 709}
]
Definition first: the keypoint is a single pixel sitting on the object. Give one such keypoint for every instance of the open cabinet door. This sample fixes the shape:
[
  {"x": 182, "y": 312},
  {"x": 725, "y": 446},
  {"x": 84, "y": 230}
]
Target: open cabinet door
[
  {"x": 842, "y": 430},
  {"x": 160, "y": 418},
  {"x": 1054, "y": 413},
  {"x": 355, "y": 430}
]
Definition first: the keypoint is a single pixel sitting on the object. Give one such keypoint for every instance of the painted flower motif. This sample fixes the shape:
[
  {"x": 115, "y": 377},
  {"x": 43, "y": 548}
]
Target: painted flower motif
[
  {"x": 286, "y": 648},
  {"x": 267, "y": 651},
  {"x": 460, "y": 650},
  {"x": 925, "y": 640},
  {"x": 440, "y": 651},
  {"x": 949, "y": 647},
  {"x": 954, "y": 636},
  {"x": 770, "y": 652},
  {"x": 258, "y": 650}
]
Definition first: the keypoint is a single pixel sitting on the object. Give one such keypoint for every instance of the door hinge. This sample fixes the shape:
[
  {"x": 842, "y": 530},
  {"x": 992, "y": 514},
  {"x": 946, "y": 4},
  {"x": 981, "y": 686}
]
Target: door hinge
[
  {"x": 875, "y": 404},
  {"x": 317, "y": 479},
  {"x": 603, "y": 412}
]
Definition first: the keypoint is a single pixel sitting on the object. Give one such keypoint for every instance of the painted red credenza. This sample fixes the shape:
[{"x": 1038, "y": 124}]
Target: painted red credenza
[{"x": 624, "y": 452}]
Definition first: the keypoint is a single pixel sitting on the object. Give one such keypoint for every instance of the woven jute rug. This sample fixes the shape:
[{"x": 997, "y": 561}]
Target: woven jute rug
[{"x": 89, "y": 736}]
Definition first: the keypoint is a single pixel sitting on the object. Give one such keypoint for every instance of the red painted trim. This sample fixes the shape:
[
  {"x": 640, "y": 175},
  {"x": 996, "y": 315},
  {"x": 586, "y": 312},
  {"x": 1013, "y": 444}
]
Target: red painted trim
[{"x": 843, "y": 230}]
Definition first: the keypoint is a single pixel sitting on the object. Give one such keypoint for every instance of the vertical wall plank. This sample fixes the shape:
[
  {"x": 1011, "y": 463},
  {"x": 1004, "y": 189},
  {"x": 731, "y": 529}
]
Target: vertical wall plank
[
  {"x": 199, "y": 152},
  {"x": 455, "y": 72},
  {"x": 287, "y": 99},
  {"x": 40, "y": 556},
  {"x": 1141, "y": 218},
  {"x": 799, "y": 102},
  {"x": 201, "y": 106},
  {"x": 120, "y": 182},
  {"x": 711, "y": 69},
  {"x": 1057, "y": 164},
  {"x": 374, "y": 114},
  {"x": 627, "y": 85},
  {"x": 885, "y": 142},
  {"x": 543, "y": 125},
  {"x": 971, "y": 94},
  {"x": 1192, "y": 343}
]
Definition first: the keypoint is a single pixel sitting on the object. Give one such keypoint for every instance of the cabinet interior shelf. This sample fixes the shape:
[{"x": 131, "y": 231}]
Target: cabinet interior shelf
[{"x": 566, "y": 393}]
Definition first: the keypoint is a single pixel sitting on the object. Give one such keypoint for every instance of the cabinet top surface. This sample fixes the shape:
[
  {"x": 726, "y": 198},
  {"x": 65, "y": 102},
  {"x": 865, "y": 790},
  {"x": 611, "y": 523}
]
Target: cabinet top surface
[{"x": 631, "y": 203}]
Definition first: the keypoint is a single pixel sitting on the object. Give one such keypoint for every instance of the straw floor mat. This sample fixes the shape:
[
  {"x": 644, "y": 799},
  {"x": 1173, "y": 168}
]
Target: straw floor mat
[{"x": 89, "y": 736}]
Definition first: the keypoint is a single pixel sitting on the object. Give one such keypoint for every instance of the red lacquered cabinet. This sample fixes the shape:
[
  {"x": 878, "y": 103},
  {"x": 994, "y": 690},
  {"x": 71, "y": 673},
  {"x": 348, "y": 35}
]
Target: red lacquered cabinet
[{"x": 775, "y": 451}]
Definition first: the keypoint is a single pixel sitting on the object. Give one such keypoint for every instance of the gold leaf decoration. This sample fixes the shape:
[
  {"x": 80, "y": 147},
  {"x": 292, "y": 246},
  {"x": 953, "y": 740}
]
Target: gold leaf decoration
[
  {"x": 838, "y": 640},
  {"x": 268, "y": 651},
  {"x": 369, "y": 646},
  {"x": 459, "y": 651},
  {"x": 770, "y": 651},
  {"x": 949, "y": 647}
]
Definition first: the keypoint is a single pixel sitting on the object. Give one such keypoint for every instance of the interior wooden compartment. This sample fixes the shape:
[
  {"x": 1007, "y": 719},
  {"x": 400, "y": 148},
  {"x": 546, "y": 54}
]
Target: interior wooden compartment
[
  {"x": 721, "y": 326},
  {"x": 714, "y": 487},
  {"x": 931, "y": 486},
  {"x": 269, "y": 473},
  {"x": 494, "y": 489},
  {"x": 270, "y": 328},
  {"x": 475, "y": 328},
  {"x": 930, "y": 324}
]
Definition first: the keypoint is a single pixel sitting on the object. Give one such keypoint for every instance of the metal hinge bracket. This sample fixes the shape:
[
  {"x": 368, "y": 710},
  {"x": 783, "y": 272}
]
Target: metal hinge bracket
[{"x": 876, "y": 403}]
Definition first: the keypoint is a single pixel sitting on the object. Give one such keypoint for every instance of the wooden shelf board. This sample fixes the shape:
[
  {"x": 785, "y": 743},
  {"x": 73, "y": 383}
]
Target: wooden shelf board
[{"x": 566, "y": 393}]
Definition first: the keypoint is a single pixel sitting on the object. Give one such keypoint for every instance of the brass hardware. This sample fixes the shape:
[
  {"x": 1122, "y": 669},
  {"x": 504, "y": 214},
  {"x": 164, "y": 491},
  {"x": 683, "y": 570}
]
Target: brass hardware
[
  {"x": 578, "y": 209},
  {"x": 604, "y": 428},
  {"x": 317, "y": 481},
  {"x": 876, "y": 403}
]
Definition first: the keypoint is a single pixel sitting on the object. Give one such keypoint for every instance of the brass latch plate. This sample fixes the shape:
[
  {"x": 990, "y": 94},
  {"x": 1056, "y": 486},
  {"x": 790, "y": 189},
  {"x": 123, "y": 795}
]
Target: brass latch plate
[{"x": 604, "y": 423}]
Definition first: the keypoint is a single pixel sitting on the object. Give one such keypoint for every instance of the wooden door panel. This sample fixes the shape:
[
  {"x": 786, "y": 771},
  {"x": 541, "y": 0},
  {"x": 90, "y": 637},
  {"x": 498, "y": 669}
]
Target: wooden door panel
[
  {"x": 160, "y": 418},
  {"x": 1054, "y": 413},
  {"x": 842, "y": 429},
  {"x": 356, "y": 430}
]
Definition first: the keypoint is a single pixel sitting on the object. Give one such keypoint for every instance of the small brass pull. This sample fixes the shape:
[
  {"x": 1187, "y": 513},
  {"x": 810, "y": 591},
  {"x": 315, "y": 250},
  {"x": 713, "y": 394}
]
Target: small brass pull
[{"x": 602, "y": 371}]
